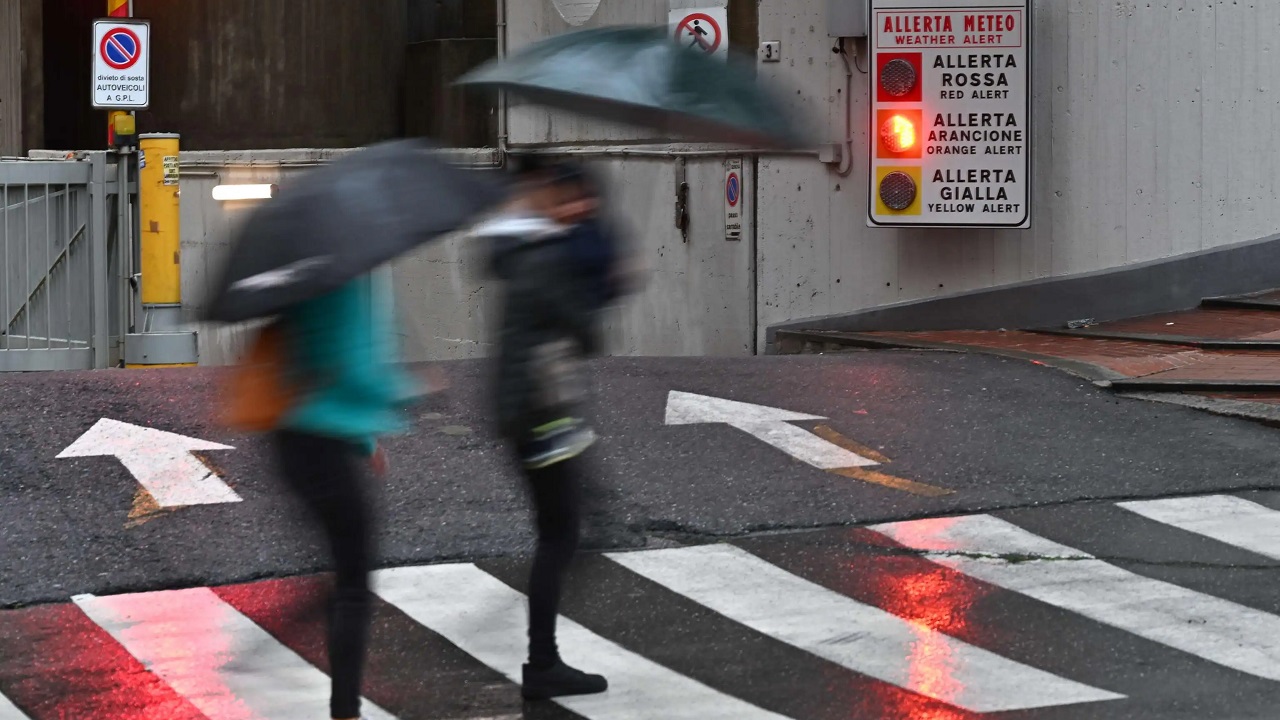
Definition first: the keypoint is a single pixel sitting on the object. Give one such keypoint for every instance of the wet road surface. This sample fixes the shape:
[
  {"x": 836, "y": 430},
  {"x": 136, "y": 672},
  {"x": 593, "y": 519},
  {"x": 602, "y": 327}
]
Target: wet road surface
[{"x": 870, "y": 536}]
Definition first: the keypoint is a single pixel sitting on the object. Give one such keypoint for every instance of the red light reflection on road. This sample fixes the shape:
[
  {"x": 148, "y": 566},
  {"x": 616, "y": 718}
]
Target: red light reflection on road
[
  {"x": 933, "y": 599},
  {"x": 185, "y": 643},
  {"x": 57, "y": 663}
]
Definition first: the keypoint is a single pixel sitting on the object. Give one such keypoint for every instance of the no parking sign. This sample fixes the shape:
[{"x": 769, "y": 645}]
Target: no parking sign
[
  {"x": 121, "y": 64},
  {"x": 733, "y": 199}
]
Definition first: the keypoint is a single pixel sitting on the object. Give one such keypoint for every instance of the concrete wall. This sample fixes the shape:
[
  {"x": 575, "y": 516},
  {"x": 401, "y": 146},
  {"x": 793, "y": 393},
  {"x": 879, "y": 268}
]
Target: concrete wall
[
  {"x": 1153, "y": 123},
  {"x": 1153, "y": 128},
  {"x": 209, "y": 226},
  {"x": 697, "y": 301}
]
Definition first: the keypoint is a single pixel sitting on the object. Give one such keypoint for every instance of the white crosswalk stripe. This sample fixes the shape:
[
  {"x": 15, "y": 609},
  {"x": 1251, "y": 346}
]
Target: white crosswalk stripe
[
  {"x": 215, "y": 657},
  {"x": 9, "y": 711},
  {"x": 484, "y": 617},
  {"x": 1225, "y": 518},
  {"x": 229, "y": 668},
  {"x": 777, "y": 603},
  {"x": 1002, "y": 554}
]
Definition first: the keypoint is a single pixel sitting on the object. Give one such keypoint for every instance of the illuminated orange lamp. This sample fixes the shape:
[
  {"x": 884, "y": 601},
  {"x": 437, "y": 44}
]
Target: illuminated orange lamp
[{"x": 898, "y": 133}]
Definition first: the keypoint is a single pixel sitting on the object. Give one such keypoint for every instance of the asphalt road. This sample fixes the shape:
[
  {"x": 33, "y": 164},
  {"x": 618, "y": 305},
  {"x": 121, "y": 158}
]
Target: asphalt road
[
  {"x": 992, "y": 564},
  {"x": 998, "y": 433}
]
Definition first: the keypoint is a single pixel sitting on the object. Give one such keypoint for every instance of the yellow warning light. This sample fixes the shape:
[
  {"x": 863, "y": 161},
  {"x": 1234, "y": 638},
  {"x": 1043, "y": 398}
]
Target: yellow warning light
[
  {"x": 124, "y": 123},
  {"x": 898, "y": 134}
]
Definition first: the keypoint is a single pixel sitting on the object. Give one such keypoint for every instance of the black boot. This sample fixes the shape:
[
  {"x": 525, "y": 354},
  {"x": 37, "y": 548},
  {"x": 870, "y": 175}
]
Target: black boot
[{"x": 559, "y": 680}]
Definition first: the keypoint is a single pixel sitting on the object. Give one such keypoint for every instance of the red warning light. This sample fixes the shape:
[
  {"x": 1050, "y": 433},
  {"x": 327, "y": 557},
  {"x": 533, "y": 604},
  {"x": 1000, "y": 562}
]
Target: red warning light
[
  {"x": 898, "y": 78},
  {"x": 899, "y": 132}
]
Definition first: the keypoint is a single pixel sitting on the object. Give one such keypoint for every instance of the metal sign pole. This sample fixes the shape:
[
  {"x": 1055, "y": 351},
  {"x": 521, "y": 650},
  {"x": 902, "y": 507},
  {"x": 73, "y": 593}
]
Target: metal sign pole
[
  {"x": 117, "y": 9},
  {"x": 124, "y": 240}
]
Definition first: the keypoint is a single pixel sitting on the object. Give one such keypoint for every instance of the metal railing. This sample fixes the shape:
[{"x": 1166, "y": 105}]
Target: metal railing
[{"x": 53, "y": 264}]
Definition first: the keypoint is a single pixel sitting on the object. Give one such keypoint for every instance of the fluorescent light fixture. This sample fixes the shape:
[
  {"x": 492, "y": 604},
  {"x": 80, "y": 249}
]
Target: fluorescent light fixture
[{"x": 243, "y": 192}]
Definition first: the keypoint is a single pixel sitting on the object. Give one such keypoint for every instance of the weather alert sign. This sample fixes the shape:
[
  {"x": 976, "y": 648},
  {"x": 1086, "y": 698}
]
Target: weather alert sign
[
  {"x": 121, "y": 64},
  {"x": 950, "y": 114}
]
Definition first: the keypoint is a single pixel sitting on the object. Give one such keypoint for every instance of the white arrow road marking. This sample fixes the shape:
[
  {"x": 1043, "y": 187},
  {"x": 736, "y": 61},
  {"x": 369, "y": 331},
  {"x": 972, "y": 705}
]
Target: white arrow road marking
[
  {"x": 770, "y": 425},
  {"x": 161, "y": 461}
]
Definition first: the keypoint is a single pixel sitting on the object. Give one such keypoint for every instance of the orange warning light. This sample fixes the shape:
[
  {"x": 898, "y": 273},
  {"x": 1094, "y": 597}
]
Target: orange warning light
[{"x": 898, "y": 133}]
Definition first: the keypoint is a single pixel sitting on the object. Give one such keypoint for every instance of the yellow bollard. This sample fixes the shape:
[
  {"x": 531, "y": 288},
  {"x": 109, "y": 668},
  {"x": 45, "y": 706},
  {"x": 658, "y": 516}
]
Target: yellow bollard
[
  {"x": 159, "y": 343},
  {"x": 158, "y": 212}
]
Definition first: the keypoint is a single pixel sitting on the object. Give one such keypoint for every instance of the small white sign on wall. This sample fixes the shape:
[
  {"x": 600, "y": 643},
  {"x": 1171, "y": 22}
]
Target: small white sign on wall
[
  {"x": 576, "y": 12},
  {"x": 704, "y": 30},
  {"x": 733, "y": 199}
]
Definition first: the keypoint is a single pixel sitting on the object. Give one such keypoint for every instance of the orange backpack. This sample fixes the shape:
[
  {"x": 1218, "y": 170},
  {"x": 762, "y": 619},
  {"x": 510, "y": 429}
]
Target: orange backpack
[{"x": 256, "y": 394}]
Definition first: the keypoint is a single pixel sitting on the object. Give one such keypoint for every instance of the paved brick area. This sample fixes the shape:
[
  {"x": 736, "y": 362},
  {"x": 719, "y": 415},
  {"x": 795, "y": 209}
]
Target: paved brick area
[
  {"x": 1207, "y": 323},
  {"x": 1175, "y": 359},
  {"x": 1229, "y": 366},
  {"x": 1150, "y": 361},
  {"x": 1128, "y": 358}
]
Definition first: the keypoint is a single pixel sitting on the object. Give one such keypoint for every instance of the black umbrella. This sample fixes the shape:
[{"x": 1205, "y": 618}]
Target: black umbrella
[
  {"x": 343, "y": 220},
  {"x": 642, "y": 76}
]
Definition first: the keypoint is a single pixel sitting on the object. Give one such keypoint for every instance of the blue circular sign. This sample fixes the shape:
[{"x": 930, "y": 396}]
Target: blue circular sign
[{"x": 732, "y": 189}]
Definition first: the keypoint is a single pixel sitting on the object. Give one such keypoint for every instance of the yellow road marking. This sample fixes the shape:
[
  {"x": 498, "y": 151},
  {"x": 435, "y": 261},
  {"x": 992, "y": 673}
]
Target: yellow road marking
[
  {"x": 830, "y": 435},
  {"x": 891, "y": 481},
  {"x": 144, "y": 508}
]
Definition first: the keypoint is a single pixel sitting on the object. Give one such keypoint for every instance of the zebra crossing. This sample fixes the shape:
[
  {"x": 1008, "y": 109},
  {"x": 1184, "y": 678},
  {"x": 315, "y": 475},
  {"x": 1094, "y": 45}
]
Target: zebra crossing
[
  {"x": 954, "y": 618},
  {"x": 8, "y": 711}
]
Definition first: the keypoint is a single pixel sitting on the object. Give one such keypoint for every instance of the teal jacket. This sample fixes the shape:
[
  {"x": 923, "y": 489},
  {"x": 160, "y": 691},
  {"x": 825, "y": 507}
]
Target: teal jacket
[{"x": 342, "y": 350}]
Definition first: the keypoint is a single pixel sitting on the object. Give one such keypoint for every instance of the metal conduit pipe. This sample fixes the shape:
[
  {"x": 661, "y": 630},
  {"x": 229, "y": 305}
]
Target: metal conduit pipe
[{"x": 502, "y": 95}]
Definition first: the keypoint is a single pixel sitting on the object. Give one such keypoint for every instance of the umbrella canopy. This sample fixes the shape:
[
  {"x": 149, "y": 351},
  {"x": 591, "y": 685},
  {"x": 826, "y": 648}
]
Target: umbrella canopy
[
  {"x": 642, "y": 76},
  {"x": 343, "y": 220}
]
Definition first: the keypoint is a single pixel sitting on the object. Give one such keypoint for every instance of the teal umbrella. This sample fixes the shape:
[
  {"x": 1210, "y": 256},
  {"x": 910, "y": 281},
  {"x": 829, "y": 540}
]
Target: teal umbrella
[{"x": 642, "y": 76}]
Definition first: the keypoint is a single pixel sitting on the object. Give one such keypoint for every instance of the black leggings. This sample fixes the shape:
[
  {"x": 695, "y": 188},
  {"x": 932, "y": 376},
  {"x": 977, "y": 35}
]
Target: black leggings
[
  {"x": 324, "y": 473},
  {"x": 557, "y": 507}
]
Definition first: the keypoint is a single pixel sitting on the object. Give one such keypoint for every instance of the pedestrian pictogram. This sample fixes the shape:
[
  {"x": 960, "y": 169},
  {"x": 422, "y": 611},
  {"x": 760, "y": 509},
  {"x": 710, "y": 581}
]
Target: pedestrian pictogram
[
  {"x": 701, "y": 30},
  {"x": 120, "y": 48}
]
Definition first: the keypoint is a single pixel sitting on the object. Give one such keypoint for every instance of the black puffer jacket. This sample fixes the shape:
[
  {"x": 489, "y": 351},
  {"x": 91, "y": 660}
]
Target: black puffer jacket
[{"x": 547, "y": 326}]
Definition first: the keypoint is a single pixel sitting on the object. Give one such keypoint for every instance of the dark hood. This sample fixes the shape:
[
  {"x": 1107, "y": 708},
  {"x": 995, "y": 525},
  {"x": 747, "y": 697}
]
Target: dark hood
[{"x": 511, "y": 234}]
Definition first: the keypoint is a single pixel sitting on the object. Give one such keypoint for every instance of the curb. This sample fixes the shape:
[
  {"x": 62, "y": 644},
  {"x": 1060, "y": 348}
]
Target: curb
[
  {"x": 1263, "y": 413},
  {"x": 1169, "y": 392},
  {"x": 1097, "y": 374},
  {"x": 1240, "y": 303},
  {"x": 1155, "y": 384}
]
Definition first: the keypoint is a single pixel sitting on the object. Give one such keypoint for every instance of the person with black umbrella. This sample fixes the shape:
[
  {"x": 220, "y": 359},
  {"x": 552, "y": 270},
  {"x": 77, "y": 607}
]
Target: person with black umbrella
[
  {"x": 557, "y": 262},
  {"x": 324, "y": 379}
]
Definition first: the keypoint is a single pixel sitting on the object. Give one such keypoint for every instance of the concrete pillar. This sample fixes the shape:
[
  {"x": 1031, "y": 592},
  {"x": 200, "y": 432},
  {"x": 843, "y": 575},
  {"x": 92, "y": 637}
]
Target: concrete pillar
[{"x": 21, "y": 76}]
